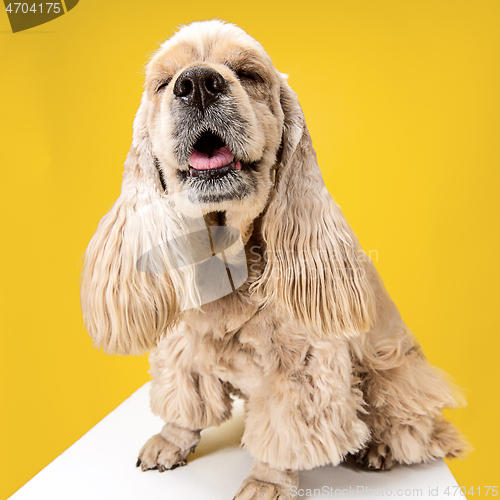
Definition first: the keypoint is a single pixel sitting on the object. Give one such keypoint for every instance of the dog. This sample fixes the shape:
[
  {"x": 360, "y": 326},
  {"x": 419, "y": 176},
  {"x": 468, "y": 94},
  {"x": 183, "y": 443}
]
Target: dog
[{"x": 227, "y": 258}]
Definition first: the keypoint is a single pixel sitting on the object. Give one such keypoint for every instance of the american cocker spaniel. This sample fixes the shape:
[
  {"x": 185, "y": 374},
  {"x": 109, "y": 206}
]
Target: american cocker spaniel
[{"x": 226, "y": 256}]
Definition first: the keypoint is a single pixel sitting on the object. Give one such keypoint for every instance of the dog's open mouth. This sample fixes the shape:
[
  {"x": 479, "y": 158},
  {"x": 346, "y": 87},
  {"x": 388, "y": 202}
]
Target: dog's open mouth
[
  {"x": 215, "y": 173},
  {"x": 211, "y": 157}
]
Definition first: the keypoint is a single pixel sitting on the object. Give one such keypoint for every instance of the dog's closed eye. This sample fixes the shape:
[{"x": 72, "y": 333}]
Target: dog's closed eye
[
  {"x": 162, "y": 84},
  {"x": 249, "y": 76}
]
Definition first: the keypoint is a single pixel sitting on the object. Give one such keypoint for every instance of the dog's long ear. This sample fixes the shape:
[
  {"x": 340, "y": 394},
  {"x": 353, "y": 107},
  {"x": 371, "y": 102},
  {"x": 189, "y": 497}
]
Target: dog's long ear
[
  {"x": 313, "y": 260},
  {"x": 128, "y": 299}
]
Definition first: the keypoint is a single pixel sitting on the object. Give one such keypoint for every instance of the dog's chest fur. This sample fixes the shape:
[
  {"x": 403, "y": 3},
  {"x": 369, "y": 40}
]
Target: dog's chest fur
[
  {"x": 236, "y": 341},
  {"x": 242, "y": 354}
]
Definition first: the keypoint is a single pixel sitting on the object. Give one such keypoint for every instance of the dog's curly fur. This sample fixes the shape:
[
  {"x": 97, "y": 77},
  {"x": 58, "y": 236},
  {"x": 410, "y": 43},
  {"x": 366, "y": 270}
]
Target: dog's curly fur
[{"x": 311, "y": 339}]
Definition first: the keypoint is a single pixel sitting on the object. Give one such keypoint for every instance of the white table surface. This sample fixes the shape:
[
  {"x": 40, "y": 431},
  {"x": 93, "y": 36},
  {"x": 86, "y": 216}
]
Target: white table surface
[{"x": 101, "y": 465}]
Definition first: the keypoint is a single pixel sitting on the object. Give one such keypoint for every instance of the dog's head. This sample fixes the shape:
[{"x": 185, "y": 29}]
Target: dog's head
[
  {"x": 220, "y": 130},
  {"x": 213, "y": 113}
]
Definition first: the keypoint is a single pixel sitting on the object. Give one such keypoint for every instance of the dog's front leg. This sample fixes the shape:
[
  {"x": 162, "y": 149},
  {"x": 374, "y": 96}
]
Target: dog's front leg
[
  {"x": 186, "y": 399},
  {"x": 305, "y": 412},
  {"x": 267, "y": 483}
]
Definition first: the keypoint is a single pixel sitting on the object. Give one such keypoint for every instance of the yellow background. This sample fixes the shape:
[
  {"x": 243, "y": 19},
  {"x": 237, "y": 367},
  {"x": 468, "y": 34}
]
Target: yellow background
[{"x": 402, "y": 100}]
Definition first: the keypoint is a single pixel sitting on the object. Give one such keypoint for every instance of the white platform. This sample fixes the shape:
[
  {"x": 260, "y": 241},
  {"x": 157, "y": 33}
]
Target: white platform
[{"x": 101, "y": 466}]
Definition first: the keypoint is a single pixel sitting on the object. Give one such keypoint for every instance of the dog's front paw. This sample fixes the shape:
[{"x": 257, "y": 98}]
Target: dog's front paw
[
  {"x": 376, "y": 456},
  {"x": 160, "y": 454},
  {"x": 253, "y": 489}
]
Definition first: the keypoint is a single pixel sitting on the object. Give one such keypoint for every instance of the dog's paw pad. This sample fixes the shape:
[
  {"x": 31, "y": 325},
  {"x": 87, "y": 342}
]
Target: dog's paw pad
[
  {"x": 159, "y": 454},
  {"x": 376, "y": 456},
  {"x": 253, "y": 489}
]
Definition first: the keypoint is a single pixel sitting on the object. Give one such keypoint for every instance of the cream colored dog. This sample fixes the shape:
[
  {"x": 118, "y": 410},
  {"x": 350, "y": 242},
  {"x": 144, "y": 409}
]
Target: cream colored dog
[{"x": 310, "y": 338}]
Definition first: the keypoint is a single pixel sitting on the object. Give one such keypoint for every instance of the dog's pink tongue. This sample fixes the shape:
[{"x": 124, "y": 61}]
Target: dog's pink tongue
[{"x": 220, "y": 158}]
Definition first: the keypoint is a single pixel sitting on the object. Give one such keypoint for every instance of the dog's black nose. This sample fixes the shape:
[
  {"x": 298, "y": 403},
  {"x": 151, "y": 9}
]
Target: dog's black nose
[{"x": 199, "y": 86}]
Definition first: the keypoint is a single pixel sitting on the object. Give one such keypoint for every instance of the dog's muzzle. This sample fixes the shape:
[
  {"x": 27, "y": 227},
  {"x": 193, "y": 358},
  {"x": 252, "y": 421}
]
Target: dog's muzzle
[{"x": 211, "y": 137}]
